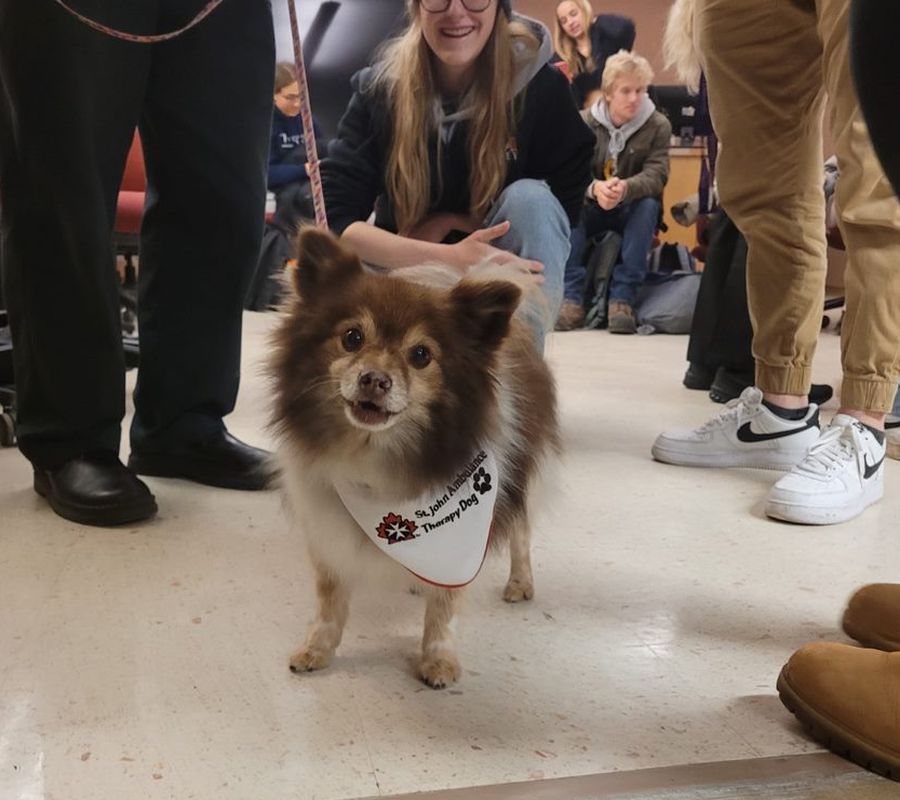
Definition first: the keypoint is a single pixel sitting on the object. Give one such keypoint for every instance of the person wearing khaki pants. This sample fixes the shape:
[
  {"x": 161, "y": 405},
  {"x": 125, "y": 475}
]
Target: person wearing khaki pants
[
  {"x": 767, "y": 62},
  {"x": 849, "y": 697},
  {"x": 769, "y": 65}
]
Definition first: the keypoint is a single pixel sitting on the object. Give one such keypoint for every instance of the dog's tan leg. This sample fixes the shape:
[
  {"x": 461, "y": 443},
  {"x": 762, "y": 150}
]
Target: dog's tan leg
[
  {"x": 520, "y": 585},
  {"x": 439, "y": 666},
  {"x": 325, "y": 634}
]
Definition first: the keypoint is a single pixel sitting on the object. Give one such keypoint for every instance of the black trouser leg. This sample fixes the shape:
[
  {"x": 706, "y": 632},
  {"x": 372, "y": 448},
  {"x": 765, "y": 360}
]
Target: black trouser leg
[
  {"x": 721, "y": 332},
  {"x": 71, "y": 100},
  {"x": 874, "y": 27},
  {"x": 205, "y": 130}
]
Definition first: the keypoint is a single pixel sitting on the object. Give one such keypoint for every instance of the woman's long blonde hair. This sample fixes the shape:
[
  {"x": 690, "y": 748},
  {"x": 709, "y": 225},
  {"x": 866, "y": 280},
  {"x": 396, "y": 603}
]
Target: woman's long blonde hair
[
  {"x": 680, "y": 43},
  {"x": 566, "y": 46},
  {"x": 407, "y": 76}
]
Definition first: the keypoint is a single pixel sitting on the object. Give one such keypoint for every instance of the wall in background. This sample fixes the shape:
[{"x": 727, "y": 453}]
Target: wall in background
[
  {"x": 357, "y": 25},
  {"x": 649, "y": 17}
]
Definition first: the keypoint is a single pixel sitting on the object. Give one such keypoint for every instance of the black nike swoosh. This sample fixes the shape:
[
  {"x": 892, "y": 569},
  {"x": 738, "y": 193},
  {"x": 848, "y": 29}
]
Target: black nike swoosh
[
  {"x": 871, "y": 469},
  {"x": 746, "y": 434}
]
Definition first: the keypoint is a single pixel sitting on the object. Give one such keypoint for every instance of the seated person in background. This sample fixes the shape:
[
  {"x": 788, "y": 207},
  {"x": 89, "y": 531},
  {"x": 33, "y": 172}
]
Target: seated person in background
[
  {"x": 466, "y": 147},
  {"x": 287, "y": 153},
  {"x": 583, "y": 42},
  {"x": 631, "y": 167}
]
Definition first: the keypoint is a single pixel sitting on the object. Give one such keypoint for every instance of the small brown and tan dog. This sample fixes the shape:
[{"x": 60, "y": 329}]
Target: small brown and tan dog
[{"x": 393, "y": 381}]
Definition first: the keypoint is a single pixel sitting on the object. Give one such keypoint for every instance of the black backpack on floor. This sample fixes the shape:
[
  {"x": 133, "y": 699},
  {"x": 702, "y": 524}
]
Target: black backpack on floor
[{"x": 265, "y": 291}]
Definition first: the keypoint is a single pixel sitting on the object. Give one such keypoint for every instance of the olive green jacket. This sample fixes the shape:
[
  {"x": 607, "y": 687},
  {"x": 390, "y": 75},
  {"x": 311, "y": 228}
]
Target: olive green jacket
[{"x": 645, "y": 160}]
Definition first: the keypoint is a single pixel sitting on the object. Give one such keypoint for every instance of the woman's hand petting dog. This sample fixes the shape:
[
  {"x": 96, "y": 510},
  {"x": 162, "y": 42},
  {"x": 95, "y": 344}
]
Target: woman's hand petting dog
[{"x": 474, "y": 249}]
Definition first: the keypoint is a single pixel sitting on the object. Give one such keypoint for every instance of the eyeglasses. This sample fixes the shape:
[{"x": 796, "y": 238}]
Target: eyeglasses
[{"x": 439, "y": 6}]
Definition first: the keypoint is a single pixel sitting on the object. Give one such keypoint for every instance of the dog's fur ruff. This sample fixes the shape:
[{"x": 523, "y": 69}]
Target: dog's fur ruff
[{"x": 485, "y": 386}]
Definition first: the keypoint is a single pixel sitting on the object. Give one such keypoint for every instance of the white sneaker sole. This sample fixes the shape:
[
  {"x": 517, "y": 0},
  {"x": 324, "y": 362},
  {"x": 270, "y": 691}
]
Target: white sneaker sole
[
  {"x": 670, "y": 453},
  {"x": 804, "y": 514}
]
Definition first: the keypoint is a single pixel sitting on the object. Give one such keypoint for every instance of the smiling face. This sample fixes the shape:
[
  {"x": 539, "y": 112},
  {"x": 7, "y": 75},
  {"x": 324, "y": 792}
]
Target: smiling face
[
  {"x": 368, "y": 364},
  {"x": 385, "y": 377},
  {"x": 457, "y": 38},
  {"x": 571, "y": 19}
]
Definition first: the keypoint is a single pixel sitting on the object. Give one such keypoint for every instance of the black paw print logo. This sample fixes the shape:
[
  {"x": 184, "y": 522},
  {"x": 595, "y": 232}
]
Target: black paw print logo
[{"x": 482, "y": 481}]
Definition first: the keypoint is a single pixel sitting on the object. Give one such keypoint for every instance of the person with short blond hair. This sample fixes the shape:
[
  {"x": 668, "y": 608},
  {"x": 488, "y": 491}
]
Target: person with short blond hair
[
  {"x": 630, "y": 169},
  {"x": 622, "y": 65}
]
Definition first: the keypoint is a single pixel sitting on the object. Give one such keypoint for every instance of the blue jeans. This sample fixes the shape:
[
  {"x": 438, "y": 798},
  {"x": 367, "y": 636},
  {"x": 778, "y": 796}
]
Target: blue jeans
[
  {"x": 538, "y": 230},
  {"x": 636, "y": 222}
]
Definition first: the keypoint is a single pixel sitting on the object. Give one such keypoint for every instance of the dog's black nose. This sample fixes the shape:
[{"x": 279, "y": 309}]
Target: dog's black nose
[{"x": 375, "y": 383}]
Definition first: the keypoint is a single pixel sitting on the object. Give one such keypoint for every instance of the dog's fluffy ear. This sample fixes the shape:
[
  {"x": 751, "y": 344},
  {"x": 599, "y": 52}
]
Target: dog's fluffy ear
[
  {"x": 485, "y": 309},
  {"x": 323, "y": 263}
]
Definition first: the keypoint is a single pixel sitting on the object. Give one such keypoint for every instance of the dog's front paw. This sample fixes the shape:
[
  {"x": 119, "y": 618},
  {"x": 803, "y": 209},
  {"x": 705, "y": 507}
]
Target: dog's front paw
[
  {"x": 308, "y": 659},
  {"x": 439, "y": 671},
  {"x": 517, "y": 590}
]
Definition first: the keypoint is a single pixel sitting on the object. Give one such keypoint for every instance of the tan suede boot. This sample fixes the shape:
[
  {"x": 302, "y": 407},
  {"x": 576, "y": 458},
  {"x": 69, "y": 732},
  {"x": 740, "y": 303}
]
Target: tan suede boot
[
  {"x": 848, "y": 698},
  {"x": 873, "y": 616},
  {"x": 571, "y": 316},
  {"x": 621, "y": 317}
]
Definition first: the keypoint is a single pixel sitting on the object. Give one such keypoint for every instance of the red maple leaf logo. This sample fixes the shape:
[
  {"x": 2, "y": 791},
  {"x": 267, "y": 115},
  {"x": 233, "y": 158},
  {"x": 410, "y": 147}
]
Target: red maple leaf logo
[{"x": 395, "y": 529}]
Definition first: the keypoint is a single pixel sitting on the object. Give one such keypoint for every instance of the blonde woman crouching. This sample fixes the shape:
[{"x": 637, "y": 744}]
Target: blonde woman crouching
[{"x": 465, "y": 142}]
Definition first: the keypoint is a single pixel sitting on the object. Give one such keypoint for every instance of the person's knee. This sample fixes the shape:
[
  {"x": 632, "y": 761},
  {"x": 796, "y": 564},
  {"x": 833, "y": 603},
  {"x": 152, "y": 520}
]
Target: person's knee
[
  {"x": 529, "y": 199},
  {"x": 647, "y": 208}
]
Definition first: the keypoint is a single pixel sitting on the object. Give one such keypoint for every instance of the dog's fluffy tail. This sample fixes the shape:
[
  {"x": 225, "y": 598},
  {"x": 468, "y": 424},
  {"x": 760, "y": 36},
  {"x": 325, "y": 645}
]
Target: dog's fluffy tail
[{"x": 680, "y": 43}]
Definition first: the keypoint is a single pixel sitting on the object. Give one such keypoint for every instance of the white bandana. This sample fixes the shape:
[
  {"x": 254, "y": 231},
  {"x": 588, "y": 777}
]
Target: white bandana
[{"x": 441, "y": 537}]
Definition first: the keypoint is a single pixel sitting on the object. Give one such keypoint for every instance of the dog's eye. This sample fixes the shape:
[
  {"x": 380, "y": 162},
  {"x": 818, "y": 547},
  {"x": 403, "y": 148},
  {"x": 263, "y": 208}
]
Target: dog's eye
[
  {"x": 420, "y": 356},
  {"x": 352, "y": 340}
]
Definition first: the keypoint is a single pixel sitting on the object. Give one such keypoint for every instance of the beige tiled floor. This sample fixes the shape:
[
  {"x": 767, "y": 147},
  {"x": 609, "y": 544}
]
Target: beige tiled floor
[{"x": 151, "y": 662}]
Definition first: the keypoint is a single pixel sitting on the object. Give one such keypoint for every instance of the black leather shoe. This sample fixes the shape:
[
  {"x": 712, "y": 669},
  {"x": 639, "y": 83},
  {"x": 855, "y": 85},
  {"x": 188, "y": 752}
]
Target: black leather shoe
[
  {"x": 220, "y": 461},
  {"x": 698, "y": 377},
  {"x": 95, "y": 489},
  {"x": 729, "y": 384}
]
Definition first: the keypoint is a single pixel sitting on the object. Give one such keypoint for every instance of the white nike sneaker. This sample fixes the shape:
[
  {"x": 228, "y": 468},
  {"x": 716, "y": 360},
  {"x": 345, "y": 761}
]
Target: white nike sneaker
[
  {"x": 841, "y": 476},
  {"x": 892, "y": 436},
  {"x": 744, "y": 434}
]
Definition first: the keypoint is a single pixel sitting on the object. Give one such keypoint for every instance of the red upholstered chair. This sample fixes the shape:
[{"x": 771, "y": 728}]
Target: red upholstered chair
[
  {"x": 130, "y": 209},
  {"x": 126, "y": 238}
]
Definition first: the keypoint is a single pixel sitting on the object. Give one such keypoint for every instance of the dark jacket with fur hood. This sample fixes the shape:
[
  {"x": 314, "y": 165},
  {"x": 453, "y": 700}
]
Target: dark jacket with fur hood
[{"x": 551, "y": 143}]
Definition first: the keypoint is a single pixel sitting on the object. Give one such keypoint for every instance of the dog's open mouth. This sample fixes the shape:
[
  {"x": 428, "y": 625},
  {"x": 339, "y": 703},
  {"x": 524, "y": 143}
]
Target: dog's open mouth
[{"x": 369, "y": 413}]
